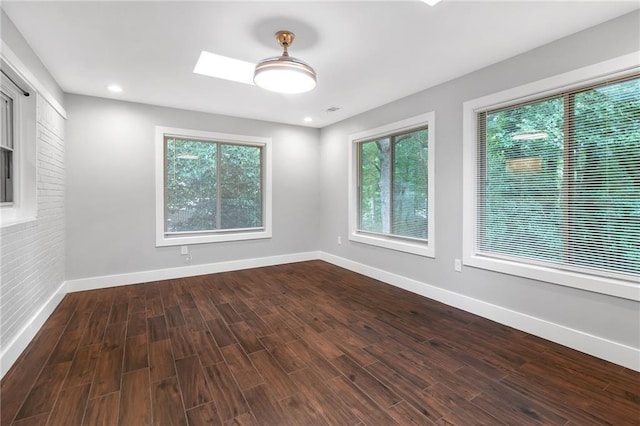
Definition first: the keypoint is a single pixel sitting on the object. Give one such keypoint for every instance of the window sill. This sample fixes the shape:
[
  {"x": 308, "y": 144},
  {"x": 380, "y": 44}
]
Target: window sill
[
  {"x": 9, "y": 220},
  {"x": 419, "y": 249},
  {"x": 609, "y": 286},
  {"x": 188, "y": 239}
]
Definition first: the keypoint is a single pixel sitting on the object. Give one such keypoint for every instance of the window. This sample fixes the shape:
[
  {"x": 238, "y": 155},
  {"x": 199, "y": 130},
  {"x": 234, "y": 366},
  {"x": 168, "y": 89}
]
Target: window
[
  {"x": 6, "y": 150},
  {"x": 391, "y": 190},
  {"x": 18, "y": 157},
  {"x": 557, "y": 182},
  {"x": 212, "y": 187}
]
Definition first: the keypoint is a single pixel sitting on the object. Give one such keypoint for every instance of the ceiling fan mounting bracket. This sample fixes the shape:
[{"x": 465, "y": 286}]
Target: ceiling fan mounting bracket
[{"x": 285, "y": 38}]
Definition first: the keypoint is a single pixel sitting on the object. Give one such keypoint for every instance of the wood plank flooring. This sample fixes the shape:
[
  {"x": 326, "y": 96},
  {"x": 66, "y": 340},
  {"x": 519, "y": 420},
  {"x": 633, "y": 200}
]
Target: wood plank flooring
[{"x": 299, "y": 344}]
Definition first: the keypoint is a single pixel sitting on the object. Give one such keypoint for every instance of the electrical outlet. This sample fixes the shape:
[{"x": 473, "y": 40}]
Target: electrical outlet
[
  {"x": 339, "y": 240},
  {"x": 184, "y": 250},
  {"x": 457, "y": 265}
]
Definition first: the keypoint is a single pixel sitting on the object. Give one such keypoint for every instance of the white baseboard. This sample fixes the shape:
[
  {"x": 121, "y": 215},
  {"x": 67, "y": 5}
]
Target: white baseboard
[
  {"x": 593, "y": 345},
  {"x": 617, "y": 353},
  {"x": 19, "y": 343},
  {"x": 94, "y": 283}
]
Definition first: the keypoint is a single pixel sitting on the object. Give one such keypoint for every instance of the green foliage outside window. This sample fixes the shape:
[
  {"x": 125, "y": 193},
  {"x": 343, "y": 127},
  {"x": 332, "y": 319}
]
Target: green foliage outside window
[
  {"x": 393, "y": 185},
  {"x": 212, "y": 186}
]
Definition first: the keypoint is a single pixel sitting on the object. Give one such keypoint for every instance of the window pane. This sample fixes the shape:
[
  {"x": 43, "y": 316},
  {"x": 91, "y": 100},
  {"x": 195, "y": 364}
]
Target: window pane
[
  {"x": 6, "y": 176},
  {"x": 241, "y": 186},
  {"x": 521, "y": 186},
  {"x": 410, "y": 185},
  {"x": 6, "y": 150},
  {"x": 375, "y": 185},
  {"x": 190, "y": 185},
  {"x": 605, "y": 208}
]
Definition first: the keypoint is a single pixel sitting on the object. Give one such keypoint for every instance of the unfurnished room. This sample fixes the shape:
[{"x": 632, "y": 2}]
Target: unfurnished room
[{"x": 401, "y": 212}]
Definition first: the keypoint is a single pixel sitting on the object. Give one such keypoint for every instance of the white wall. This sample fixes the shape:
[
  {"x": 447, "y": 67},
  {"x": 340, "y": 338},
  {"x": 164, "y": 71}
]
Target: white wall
[
  {"x": 605, "y": 317},
  {"x": 110, "y": 188},
  {"x": 32, "y": 253}
]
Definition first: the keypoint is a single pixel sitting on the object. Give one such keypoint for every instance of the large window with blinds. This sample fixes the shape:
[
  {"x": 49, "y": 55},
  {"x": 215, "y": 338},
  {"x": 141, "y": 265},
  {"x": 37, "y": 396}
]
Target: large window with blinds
[
  {"x": 393, "y": 186},
  {"x": 214, "y": 187},
  {"x": 557, "y": 180}
]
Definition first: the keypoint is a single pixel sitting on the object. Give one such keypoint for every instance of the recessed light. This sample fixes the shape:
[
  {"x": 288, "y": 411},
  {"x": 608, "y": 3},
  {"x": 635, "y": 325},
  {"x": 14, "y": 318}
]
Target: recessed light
[
  {"x": 114, "y": 88},
  {"x": 308, "y": 119},
  {"x": 219, "y": 66},
  {"x": 431, "y": 2}
]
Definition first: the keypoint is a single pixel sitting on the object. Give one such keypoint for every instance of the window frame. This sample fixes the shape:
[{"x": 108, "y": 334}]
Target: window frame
[
  {"x": 398, "y": 243},
  {"x": 610, "y": 284},
  {"x": 164, "y": 238}
]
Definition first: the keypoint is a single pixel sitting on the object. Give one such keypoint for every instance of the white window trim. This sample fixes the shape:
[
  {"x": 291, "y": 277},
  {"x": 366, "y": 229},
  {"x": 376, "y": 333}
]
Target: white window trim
[
  {"x": 388, "y": 241},
  {"x": 162, "y": 239},
  {"x": 603, "y": 71}
]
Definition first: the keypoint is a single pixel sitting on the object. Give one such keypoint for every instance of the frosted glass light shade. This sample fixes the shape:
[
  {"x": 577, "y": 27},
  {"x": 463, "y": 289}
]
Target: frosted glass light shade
[{"x": 284, "y": 74}]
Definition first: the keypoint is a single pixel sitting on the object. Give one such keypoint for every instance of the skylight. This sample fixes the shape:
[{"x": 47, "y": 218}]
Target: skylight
[{"x": 219, "y": 66}]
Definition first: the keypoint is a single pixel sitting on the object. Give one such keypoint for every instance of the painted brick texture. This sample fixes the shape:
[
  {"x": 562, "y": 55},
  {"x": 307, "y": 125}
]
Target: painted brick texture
[{"x": 32, "y": 254}]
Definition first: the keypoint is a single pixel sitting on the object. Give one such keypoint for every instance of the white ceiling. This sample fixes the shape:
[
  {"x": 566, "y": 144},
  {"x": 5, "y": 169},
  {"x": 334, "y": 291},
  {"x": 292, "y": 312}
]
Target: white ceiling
[{"x": 366, "y": 53}]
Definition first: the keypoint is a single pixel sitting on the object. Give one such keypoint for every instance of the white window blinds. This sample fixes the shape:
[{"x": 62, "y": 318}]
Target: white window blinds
[{"x": 559, "y": 180}]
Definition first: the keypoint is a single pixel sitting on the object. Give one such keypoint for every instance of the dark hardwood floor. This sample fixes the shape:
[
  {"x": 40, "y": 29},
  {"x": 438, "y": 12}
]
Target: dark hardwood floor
[{"x": 299, "y": 344}]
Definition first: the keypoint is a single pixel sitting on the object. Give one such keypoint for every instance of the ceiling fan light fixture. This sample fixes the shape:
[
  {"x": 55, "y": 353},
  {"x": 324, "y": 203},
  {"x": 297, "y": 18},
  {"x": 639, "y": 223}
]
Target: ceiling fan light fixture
[{"x": 284, "y": 74}]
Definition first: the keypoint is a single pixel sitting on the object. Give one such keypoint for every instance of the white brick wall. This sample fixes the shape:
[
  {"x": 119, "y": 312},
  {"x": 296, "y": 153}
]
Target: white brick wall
[{"x": 33, "y": 253}]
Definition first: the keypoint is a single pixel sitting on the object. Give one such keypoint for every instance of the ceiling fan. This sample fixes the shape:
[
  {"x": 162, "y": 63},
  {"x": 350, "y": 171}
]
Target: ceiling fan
[{"x": 282, "y": 74}]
